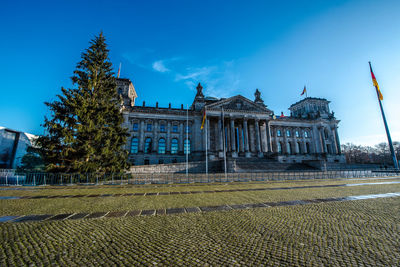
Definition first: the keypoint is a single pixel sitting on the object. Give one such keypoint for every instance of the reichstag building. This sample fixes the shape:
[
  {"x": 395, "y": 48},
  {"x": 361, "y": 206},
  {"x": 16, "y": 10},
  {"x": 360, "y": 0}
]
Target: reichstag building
[{"x": 160, "y": 135}]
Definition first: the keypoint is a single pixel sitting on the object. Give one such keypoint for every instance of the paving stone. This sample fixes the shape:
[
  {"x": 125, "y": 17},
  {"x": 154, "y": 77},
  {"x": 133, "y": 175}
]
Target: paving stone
[
  {"x": 7, "y": 218},
  {"x": 133, "y": 213},
  {"x": 59, "y": 217},
  {"x": 161, "y": 212},
  {"x": 175, "y": 210},
  {"x": 239, "y": 207},
  {"x": 116, "y": 214},
  {"x": 214, "y": 208},
  {"x": 193, "y": 209},
  {"x": 327, "y": 199},
  {"x": 148, "y": 212},
  {"x": 256, "y": 205},
  {"x": 313, "y": 201},
  {"x": 32, "y": 218},
  {"x": 96, "y": 215},
  {"x": 78, "y": 216}
]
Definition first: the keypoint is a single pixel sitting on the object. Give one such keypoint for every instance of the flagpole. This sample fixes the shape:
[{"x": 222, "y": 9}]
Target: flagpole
[
  {"x": 395, "y": 163},
  {"x": 223, "y": 133},
  {"x": 205, "y": 115},
  {"x": 187, "y": 140}
]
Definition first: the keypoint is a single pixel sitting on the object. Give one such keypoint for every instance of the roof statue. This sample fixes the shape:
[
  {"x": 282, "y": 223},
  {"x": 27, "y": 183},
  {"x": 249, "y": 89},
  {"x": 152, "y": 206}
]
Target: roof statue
[
  {"x": 199, "y": 91},
  {"x": 258, "y": 99}
]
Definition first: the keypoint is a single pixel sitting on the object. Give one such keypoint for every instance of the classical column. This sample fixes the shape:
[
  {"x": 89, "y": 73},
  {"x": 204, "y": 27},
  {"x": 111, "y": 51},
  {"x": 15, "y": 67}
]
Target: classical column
[
  {"x": 181, "y": 137},
  {"x": 269, "y": 143},
  {"x": 168, "y": 137},
  {"x": 323, "y": 143},
  {"x": 141, "y": 136},
  {"x": 333, "y": 141},
  {"x": 233, "y": 139},
  {"x": 228, "y": 136},
  {"x": 246, "y": 137},
  {"x": 339, "y": 151},
  {"x": 221, "y": 137},
  {"x": 285, "y": 147},
  {"x": 216, "y": 136},
  {"x": 258, "y": 137},
  {"x": 241, "y": 148},
  {"x": 316, "y": 140},
  {"x": 303, "y": 142},
  {"x": 155, "y": 137}
]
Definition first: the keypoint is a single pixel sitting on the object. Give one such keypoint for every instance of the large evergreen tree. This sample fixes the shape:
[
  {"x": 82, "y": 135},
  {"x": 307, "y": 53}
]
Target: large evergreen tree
[{"x": 85, "y": 133}]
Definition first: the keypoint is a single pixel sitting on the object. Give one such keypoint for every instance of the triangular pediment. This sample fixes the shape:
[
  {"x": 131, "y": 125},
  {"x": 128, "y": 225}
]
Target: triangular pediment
[{"x": 238, "y": 103}]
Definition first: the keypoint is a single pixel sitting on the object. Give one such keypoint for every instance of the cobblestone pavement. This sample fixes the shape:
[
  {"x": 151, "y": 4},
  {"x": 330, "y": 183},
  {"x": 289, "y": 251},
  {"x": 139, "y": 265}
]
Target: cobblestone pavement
[
  {"x": 365, "y": 232},
  {"x": 114, "y": 214},
  {"x": 194, "y": 192}
]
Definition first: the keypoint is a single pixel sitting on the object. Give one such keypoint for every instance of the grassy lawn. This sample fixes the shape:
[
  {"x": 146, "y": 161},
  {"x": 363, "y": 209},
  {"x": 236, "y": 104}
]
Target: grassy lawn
[
  {"x": 84, "y": 204},
  {"x": 122, "y": 189},
  {"x": 363, "y": 232}
]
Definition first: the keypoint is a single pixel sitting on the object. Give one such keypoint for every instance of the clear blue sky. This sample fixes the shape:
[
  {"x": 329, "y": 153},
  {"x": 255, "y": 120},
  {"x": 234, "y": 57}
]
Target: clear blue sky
[{"x": 231, "y": 47}]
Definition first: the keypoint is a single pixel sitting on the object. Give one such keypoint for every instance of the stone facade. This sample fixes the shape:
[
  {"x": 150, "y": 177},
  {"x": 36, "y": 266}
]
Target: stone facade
[{"x": 160, "y": 135}]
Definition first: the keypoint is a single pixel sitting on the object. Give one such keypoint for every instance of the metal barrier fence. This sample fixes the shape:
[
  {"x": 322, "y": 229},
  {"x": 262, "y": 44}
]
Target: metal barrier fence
[{"x": 10, "y": 177}]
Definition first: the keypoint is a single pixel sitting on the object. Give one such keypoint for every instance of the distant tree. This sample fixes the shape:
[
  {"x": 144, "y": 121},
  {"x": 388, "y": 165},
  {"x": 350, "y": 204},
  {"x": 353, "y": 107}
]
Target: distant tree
[
  {"x": 85, "y": 133},
  {"x": 31, "y": 161},
  {"x": 379, "y": 154}
]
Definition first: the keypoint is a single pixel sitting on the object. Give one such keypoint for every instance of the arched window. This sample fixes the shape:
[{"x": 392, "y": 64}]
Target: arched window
[
  {"x": 306, "y": 134},
  {"x": 174, "y": 146},
  {"x": 161, "y": 146},
  {"x": 278, "y": 133},
  {"x": 186, "y": 146},
  {"x": 147, "y": 145},
  {"x": 288, "y": 133},
  {"x": 280, "y": 147},
  {"x": 134, "y": 145},
  {"x": 297, "y": 133}
]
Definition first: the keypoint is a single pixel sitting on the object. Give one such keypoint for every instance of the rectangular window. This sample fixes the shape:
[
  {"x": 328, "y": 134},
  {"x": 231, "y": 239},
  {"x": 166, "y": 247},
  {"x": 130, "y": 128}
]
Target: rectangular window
[
  {"x": 162, "y": 128},
  {"x": 149, "y": 126},
  {"x": 135, "y": 127},
  {"x": 279, "y": 133},
  {"x": 288, "y": 133},
  {"x": 297, "y": 134},
  {"x": 175, "y": 128}
]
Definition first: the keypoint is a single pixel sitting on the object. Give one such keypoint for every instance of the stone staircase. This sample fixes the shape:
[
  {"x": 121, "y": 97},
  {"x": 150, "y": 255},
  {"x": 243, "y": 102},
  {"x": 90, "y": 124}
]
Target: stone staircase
[
  {"x": 262, "y": 165},
  {"x": 217, "y": 166}
]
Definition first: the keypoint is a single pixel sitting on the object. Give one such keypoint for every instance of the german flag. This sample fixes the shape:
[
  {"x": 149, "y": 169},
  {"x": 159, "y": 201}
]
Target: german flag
[
  {"x": 304, "y": 91},
  {"x": 204, "y": 119},
  {"x": 375, "y": 83}
]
